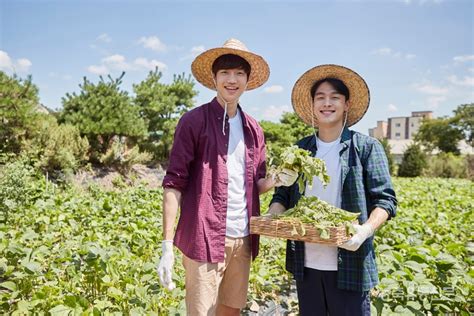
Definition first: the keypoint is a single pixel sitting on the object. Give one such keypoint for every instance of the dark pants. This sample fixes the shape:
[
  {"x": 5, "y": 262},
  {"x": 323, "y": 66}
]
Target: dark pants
[{"x": 318, "y": 295}]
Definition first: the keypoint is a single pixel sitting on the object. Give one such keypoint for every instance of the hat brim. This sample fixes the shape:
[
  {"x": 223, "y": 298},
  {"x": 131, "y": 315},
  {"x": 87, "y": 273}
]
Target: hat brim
[
  {"x": 202, "y": 67},
  {"x": 359, "y": 94}
]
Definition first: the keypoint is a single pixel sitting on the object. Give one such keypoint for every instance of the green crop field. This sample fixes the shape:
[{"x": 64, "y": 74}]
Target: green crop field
[{"x": 81, "y": 252}]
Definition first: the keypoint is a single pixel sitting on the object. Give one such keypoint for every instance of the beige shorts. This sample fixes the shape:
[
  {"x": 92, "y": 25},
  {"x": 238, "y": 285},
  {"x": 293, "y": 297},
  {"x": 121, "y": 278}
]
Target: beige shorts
[{"x": 210, "y": 284}]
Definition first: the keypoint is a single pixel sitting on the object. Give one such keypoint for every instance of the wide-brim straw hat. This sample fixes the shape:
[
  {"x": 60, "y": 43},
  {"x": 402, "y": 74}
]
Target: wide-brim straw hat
[
  {"x": 359, "y": 94},
  {"x": 202, "y": 65}
]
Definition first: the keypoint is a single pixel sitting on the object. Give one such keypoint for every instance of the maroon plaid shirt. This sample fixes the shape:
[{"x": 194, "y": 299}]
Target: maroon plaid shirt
[{"x": 198, "y": 170}]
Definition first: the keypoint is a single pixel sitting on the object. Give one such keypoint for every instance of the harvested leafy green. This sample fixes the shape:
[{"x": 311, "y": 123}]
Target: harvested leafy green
[
  {"x": 301, "y": 161},
  {"x": 311, "y": 210}
]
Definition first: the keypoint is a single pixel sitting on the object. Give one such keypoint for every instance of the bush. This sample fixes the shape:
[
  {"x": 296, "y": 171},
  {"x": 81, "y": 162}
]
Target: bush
[
  {"x": 446, "y": 165},
  {"x": 413, "y": 163},
  {"x": 118, "y": 156},
  {"x": 18, "y": 114},
  {"x": 57, "y": 147},
  {"x": 387, "y": 148},
  {"x": 16, "y": 186},
  {"x": 470, "y": 166},
  {"x": 65, "y": 149}
]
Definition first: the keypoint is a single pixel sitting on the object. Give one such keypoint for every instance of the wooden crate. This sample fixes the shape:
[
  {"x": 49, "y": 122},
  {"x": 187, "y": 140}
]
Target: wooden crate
[{"x": 266, "y": 226}]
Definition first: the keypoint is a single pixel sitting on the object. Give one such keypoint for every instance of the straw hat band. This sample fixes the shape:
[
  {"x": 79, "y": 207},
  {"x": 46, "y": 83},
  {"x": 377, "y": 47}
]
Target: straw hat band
[
  {"x": 202, "y": 65},
  {"x": 359, "y": 92}
]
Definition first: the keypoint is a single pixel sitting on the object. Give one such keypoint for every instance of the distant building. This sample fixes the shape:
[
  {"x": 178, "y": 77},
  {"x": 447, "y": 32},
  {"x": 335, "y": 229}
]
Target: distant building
[
  {"x": 399, "y": 128},
  {"x": 400, "y": 131},
  {"x": 380, "y": 131}
]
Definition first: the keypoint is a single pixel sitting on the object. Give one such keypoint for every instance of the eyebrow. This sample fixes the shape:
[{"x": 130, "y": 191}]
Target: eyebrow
[{"x": 332, "y": 92}]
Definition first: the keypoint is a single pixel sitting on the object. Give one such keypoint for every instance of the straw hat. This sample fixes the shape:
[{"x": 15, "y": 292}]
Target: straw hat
[
  {"x": 359, "y": 94},
  {"x": 202, "y": 65}
]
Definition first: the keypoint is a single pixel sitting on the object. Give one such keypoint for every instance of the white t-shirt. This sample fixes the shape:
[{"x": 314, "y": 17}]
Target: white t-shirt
[
  {"x": 319, "y": 256},
  {"x": 237, "y": 220}
]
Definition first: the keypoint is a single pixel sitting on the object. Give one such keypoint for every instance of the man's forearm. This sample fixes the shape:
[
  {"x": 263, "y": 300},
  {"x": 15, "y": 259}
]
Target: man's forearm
[
  {"x": 171, "y": 201},
  {"x": 276, "y": 208},
  {"x": 377, "y": 217},
  {"x": 265, "y": 184}
]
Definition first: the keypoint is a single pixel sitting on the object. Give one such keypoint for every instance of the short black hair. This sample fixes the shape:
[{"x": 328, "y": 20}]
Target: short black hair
[
  {"x": 230, "y": 61},
  {"x": 337, "y": 84}
]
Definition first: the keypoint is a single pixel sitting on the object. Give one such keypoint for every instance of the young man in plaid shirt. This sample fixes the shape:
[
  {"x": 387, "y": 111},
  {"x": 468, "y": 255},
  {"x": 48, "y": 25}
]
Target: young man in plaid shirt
[{"x": 334, "y": 280}]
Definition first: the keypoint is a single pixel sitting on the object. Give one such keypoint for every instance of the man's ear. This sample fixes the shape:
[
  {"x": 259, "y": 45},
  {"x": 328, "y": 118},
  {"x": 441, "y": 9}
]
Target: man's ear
[{"x": 347, "y": 105}]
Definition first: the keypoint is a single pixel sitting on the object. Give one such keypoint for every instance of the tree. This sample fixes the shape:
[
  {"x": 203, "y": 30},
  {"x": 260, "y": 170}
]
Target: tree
[
  {"x": 464, "y": 119},
  {"x": 102, "y": 112},
  {"x": 413, "y": 163},
  {"x": 388, "y": 153},
  {"x": 298, "y": 128},
  {"x": 18, "y": 115},
  {"x": 441, "y": 133},
  {"x": 161, "y": 105}
]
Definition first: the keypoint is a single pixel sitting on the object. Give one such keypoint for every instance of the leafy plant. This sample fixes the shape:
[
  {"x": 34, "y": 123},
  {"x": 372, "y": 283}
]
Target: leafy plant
[
  {"x": 311, "y": 210},
  {"x": 301, "y": 161},
  {"x": 95, "y": 252}
]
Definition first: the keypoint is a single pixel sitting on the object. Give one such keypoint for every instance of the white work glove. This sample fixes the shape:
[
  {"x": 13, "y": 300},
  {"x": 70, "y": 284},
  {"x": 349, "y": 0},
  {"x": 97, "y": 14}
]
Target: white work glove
[
  {"x": 362, "y": 233},
  {"x": 165, "y": 268},
  {"x": 285, "y": 178}
]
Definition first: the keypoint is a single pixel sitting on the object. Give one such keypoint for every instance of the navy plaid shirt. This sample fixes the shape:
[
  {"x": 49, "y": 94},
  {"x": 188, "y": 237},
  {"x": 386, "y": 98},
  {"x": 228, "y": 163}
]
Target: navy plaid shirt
[{"x": 366, "y": 184}]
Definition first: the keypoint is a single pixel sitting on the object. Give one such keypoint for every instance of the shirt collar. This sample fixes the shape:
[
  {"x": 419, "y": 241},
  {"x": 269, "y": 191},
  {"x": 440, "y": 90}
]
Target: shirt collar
[
  {"x": 345, "y": 139},
  {"x": 218, "y": 111}
]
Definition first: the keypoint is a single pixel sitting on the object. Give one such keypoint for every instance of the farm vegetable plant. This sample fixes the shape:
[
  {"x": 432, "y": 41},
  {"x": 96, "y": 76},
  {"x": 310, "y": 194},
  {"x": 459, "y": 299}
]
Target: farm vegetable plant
[
  {"x": 301, "y": 161},
  {"x": 311, "y": 210},
  {"x": 70, "y": 251}
]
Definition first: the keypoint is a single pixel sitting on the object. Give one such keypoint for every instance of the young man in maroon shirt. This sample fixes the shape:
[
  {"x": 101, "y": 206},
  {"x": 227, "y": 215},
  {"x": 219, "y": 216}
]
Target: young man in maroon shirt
[{"x": 216, "y": 173}]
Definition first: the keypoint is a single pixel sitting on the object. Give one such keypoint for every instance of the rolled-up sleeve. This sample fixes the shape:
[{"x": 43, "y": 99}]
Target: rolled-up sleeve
[
  {"x": 282, "y": 196},
  {"x": 377, "y": 180},
  {"x": 181, "y": 155}
]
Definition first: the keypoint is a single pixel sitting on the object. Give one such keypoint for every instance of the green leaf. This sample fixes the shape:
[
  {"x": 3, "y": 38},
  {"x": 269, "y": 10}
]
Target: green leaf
[
  {"x": 9, "y": 285},
  {"x": 32, "y": 266},
  {"x": 60, "y": 310}
]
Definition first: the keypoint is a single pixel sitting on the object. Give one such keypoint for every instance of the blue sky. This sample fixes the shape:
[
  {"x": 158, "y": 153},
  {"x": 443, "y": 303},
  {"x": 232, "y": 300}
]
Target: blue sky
[{"x": 414, "y": 54}]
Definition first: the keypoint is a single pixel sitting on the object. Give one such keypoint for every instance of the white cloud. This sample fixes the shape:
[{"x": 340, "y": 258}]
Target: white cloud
[
  {"x": 98, "y": 70},
  {"x": 5, "y": 61},
  {"x": 23, "y": 64},
  {"x": 433, "y": 102},
  {"x": 431, "y": 89},
  {"x": 149, "y": 64},
  {"x": 114, "y": 59},
  {"x": 392, "y": 108},
  {"x": 466, "y": 81},
  {"x": 471, "y": 70},
  {"x": 193, "y": 52},
  {"x": 9, "y": 65},
  {"x": 153, "y": 42},
  {"x": 273, "y": 89},
  {"x": 387, "y": 51},
  {"x": 464, "y": 58},
  {"x": 274, "y": 112},
  {"x": 384, "y": 51},
  {"x": 116, "y": 62},
  {"x": 104, "y": 37},
  {"x": 120, "y": 63},
  {"x": 196, "y": 50}
]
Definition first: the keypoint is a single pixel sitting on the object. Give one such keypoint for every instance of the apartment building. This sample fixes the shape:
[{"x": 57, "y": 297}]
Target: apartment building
[{"x": 399, "y": 128}]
